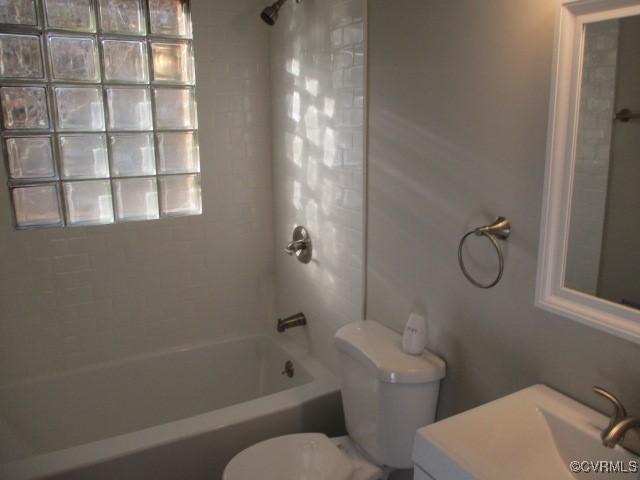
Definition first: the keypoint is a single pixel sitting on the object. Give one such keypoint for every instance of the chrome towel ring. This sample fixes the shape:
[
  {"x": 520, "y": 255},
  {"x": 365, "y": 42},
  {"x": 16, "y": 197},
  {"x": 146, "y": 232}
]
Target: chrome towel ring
[{"x": 501, "y": 228}]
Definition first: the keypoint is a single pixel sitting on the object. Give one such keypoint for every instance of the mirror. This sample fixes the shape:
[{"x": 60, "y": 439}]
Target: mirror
[
  {"x": 603, "y": 250},
  {"x": 589, "y": 261}
]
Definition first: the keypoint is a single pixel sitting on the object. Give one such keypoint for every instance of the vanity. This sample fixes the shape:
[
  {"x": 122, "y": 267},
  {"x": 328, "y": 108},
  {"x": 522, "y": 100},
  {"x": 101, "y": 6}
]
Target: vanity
[{"x": 536, "y": 433}]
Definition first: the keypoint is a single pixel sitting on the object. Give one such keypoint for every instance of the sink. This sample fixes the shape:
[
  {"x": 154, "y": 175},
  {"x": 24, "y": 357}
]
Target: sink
[{"x": 532, "y": 434}]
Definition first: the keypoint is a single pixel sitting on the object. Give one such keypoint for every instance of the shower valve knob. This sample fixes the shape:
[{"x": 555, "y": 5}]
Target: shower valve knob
[{"x": 300, "y": 245}]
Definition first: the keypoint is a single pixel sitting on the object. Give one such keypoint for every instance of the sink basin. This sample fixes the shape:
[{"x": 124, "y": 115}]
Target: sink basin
[{"x": 532, "y": 434}]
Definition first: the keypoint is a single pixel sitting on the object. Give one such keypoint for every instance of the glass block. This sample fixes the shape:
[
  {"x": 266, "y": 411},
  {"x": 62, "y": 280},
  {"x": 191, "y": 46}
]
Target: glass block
[
  {"x": 70, "y": 15},
  {"x": 24, "y": 108},
  {"x": 74, "y": 58},
  {"x": 18, "y": 12},
  {"x": 30, "y": 157},
  {"x": 172, "y": 62},
  {"x": 170, "y": 17},
  {"x": 88, "y": 202},
  {"x": 178, "y": 152},
  {"x": 180, "y": 195},
  {"x": 175, "y": 108},
  {"x": 79, "y": 108},
  {"x": 136, "y": 199},
  {"x": 37, "y": 205},
  {"x": 20, "y": 56},
  {"x": 84, "y": 156},
  {"x": 129, "y": 109},
  {"x": 125, "y": 61},
  {"x": 132, "y": 155},
  {"x": 122, "y": 16}
]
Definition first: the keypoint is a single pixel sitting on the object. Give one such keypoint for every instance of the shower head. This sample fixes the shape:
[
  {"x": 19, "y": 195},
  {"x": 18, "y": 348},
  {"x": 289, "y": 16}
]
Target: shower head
[{"x": 270, "y": 14}]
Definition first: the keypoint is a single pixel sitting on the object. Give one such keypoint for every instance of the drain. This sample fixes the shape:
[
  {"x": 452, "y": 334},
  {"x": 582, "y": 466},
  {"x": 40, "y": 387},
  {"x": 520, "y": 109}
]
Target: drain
[{"x": 288, "y": 369}]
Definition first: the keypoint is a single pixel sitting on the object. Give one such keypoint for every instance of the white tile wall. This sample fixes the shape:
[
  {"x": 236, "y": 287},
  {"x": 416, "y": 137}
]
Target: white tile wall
[
  {"x": 593, "y": 154},
  {"x": 317, "y": 54},
  {"x": 79, "y": 295}
]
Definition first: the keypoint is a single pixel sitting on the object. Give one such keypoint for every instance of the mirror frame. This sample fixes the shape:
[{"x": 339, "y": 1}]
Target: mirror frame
[{"x": 551, "y": 294}]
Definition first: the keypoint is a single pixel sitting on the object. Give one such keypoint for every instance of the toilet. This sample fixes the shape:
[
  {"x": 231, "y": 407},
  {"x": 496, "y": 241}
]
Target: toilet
[{"x": 387, "y": 395}]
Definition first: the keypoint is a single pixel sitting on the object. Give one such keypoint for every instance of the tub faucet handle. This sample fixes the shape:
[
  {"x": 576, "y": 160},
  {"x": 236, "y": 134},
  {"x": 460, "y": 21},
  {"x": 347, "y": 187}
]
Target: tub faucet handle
[
  {"x": 293, "y": 246},
  {"x": 300, "y": 245}
]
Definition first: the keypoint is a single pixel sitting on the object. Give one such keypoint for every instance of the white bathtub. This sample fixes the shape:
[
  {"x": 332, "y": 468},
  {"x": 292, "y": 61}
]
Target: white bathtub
[{"x": 179, "y": 415}]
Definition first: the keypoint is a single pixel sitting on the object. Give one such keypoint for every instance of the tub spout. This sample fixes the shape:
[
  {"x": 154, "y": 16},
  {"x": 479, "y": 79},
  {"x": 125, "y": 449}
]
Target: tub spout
[{"x": 297, "y": 320}]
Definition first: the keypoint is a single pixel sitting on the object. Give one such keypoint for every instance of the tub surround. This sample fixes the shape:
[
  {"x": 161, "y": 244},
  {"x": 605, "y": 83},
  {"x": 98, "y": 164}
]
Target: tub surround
[
  {"x": 77, "y": 296},
  {"x": 317, "y": 73}
]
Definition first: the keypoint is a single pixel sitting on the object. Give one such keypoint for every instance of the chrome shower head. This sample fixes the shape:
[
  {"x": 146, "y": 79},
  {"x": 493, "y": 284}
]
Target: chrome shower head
[{"x": 270, "y": 14}]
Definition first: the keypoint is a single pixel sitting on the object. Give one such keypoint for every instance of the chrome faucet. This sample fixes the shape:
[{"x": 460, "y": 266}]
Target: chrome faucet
[
  {"x": 620, "y": 423},
  {"x": 296, "y": 320}
]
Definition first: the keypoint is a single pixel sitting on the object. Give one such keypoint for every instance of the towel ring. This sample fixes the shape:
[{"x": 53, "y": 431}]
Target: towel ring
[{"x": 501, "y": 228}]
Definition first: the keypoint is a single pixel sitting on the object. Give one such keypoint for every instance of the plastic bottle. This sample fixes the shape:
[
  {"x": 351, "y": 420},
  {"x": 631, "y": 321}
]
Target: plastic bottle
[{"x": 414, "y": 338}]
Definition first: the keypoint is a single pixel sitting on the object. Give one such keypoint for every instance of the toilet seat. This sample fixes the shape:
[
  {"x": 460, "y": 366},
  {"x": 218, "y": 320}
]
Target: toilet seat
[{"x": 312, "y": 456}]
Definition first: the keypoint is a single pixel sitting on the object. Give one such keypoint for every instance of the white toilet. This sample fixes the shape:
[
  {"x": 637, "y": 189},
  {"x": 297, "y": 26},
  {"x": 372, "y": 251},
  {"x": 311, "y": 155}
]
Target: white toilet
[{"x": 387, "y": 395}]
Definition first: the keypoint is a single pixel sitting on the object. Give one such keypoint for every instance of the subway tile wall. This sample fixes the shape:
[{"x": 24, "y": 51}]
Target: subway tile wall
[
  {"x": 317, "y": 55},
  {"x": 74, "y": 296}
]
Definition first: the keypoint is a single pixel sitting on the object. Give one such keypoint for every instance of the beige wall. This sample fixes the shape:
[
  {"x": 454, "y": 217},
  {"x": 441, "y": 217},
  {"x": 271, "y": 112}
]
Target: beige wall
[
  {"x": 458, "y": 118},
  {"x": 317, "y": 55},
  {"x": 69, "y": 297}
]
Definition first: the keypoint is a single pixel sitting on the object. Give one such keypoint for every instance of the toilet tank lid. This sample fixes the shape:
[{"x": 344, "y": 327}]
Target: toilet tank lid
[{"x": 379, "y": 347}]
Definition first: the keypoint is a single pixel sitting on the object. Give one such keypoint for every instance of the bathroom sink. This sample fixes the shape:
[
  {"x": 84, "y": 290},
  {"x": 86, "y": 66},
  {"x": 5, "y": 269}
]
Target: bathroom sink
[{"x": 532, "y": 434}]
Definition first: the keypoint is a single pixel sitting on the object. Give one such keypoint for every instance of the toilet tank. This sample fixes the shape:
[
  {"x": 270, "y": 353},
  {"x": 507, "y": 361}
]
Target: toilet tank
[{"x": 387, "y": 394}]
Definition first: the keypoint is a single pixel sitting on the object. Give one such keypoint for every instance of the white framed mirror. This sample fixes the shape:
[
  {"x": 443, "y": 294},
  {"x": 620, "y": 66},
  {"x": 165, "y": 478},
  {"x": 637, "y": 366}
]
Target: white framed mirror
[{"x": 589, "y": 261}]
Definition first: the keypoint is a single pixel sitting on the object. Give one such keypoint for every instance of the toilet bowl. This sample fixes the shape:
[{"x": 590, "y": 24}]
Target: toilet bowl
[
  {"x": 386, "y": 394},
  {"x": 309, "y": 456}
]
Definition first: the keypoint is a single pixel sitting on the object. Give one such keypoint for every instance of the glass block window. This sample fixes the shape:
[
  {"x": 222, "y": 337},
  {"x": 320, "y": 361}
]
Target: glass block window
[{"x": 99, "y": 121}]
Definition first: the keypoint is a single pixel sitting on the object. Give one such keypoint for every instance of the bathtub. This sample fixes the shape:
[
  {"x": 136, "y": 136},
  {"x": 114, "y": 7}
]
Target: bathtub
[{"x": 178, "y": 415}]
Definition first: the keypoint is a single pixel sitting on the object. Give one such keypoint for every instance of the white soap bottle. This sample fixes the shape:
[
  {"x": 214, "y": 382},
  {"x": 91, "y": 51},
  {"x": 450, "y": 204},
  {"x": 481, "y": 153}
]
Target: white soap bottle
[{"x": 414, "y": 339}]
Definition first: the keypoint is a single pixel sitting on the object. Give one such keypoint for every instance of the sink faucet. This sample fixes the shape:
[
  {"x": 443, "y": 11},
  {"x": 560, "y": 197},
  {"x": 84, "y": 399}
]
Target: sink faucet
[
  {"x": 619, "y": 425},
  {"x": 617, "y": 433},
  {"x": 296, "y": 320}
]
